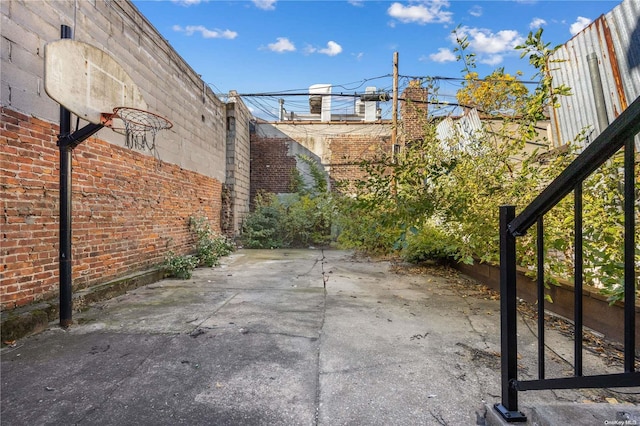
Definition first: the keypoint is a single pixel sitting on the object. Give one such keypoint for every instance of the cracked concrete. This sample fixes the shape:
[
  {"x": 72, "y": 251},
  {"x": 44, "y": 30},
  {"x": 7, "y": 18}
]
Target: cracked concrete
[{"x": 279, "y": 337}]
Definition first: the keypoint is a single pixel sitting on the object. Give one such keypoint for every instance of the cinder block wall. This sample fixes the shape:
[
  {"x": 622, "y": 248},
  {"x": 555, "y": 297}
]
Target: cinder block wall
[
  {"x": 238, "y": 163},
  {"x": 168, "y": 84},
  {"x": 129, "y": 207}
]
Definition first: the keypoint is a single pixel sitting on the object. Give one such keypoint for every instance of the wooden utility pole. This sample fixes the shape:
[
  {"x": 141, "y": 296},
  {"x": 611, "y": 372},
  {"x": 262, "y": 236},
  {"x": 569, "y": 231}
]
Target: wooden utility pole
[
  {"x": 394, "y": 119},
  {"x": 394, "y": 113}
]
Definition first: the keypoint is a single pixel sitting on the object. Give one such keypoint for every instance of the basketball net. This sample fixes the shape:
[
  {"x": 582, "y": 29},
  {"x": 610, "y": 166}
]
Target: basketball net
[{"x": 139, "y": 126}]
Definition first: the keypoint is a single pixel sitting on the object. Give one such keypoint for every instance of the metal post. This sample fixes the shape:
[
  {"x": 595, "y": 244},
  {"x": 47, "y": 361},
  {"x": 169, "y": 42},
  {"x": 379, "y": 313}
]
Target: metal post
[
  {"x": 578, "y": 281},
  {"x": 629, "y": 257},
  {"x": 508, "y": 408},
  {"x": 540, "y": 249},
  {"x": 65, "y": 265},
  {"x": 598, "y": 91}
]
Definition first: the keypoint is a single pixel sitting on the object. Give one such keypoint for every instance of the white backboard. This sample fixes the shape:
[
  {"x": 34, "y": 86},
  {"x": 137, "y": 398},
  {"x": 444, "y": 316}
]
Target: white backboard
[{"x": 87, "y": 81}]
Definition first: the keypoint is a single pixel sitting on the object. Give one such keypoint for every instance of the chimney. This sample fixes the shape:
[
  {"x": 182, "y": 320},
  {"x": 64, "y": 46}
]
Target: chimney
[{"x": 413, "y": 109}]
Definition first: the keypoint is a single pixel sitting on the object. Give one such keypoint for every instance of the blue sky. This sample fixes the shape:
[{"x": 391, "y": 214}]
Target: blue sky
[{"x": 269, "y": 46}]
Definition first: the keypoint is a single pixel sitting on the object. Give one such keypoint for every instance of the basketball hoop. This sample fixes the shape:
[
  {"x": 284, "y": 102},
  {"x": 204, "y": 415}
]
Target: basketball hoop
[{"x": 136, "y": 123}]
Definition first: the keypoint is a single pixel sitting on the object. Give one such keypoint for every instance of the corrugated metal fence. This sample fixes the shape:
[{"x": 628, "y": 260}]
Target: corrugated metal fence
[{"x": 601, "y": 65}]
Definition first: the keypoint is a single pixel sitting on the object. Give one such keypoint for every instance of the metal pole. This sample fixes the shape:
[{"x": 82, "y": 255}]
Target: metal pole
[
  {"x": 578, "y": 281},
  {"x": 629, "y": 254},
  {"x": 65, "y": 265},
  {"x": 540, "y": 250},
  {"x": 281, "y": 111},
  {"x": 598, "y": 91},
  {"x": 508, "y": 408}
]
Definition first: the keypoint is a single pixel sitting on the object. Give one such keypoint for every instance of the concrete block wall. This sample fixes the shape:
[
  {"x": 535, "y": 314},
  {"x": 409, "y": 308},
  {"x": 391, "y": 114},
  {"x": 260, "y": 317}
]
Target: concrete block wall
[
  {"x": 239, "y": 122},
  {"x": 169, "y": 85},
  {"x": 129, "y": 206}
]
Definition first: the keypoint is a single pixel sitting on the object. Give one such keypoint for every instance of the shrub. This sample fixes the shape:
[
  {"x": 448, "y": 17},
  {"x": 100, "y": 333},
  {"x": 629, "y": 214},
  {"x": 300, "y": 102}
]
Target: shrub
[
  {"x": 209, "y": 249},
  {"x": 209, "y": 246},
  {"x": 179, "y": 266},
  {"x": 298, "y": 219},
  {"x": 428, "y": 243},
  {"x": 262, "y": 228},
  {"x": 457, "y": 189}
]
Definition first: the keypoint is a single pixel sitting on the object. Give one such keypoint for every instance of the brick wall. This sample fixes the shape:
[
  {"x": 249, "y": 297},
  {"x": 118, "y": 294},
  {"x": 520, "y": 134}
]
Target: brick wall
[
  {"x": 129, "y": 206},
  {"x": 169, "y": 85},
  {"x": 413, "y": 111},
  {"x": 129, "y": 209},
  {"x": 271, "y": 165},
  {"x": 348, "y": 151},
  {"x": 337, "y": 147}
]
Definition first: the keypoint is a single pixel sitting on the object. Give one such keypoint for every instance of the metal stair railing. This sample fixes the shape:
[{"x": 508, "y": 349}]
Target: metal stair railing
[{"x": 618, "y": 135}]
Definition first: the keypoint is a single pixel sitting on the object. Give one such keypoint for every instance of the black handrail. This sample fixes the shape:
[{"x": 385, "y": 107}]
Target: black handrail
[
  {"x": 619, "y": 134},
  {"x": 626, "y": 126}
]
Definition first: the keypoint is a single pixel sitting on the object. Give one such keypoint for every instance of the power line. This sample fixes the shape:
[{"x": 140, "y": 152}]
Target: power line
[
  {"x": 269, "y": 102},
  {"x": 508, "y": 80}
]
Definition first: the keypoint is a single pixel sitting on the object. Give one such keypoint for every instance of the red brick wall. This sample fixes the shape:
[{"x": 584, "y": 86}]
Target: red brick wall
[
  {"x": 348, "y": 151},
  {"x": 128, "y": 210},
  {"x": 414, "y": 111},
  {"x": 271, "y": 166}
]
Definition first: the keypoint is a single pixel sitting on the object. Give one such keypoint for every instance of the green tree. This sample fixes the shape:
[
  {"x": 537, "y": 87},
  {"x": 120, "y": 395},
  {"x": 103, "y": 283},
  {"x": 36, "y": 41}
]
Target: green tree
[
  {"x": 498, "y": 93},
  {"x": 434, "y": 201}
]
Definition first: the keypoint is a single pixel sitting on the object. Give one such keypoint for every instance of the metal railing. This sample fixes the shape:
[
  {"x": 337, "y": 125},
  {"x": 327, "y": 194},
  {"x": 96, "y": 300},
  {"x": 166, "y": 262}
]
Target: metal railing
[{"x": 620, "y": 134}]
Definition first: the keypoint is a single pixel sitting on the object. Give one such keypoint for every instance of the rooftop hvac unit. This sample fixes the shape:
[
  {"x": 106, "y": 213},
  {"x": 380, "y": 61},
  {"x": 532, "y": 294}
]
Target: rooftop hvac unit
[
  {"x": 371, "y": 106},
  {"x": 320, "y": 101}
]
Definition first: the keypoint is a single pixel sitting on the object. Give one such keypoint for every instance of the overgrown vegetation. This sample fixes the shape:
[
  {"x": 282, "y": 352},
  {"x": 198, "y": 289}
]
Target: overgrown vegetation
[
  {"x": 299, "y": 219},
  {"x": 210, "y": 247},
  {"x": 179, "y": 266},
  {"x": 441, "y": 200}
]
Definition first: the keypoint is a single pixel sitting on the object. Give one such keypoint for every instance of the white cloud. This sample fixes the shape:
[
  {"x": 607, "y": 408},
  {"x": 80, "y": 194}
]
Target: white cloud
[
  {"x": 492, "y": 60},
  {"x": 187, "y": 2},
  {"x": 332, "y": 49},
  {"x": 423, "y": 12},
  {"x": 443, "y": 55},
  {"x": 580, "y": 24},
  {"x": 537, "y": 23},
  {"x": 482, "y": 40},
  {"x": 205, "y": 32},
  {"x": 265, "y": 4},
  {"x": 282, "y": 45},
  {"x": 357, "y": 3},
  {"x": 489, "y": 47},
  {"x": 358, "y": 56},
  {"x": 476, "y": 11}
]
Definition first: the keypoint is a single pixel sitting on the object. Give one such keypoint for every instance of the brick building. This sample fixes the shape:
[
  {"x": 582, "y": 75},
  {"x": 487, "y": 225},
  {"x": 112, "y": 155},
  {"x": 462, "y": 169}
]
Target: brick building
[{"x": 130, "y": 206}]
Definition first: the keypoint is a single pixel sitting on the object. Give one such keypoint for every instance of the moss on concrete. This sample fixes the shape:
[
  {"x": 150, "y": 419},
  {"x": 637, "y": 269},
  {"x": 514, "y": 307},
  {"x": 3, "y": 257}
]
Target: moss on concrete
[{"x": 37, "y": 317}]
